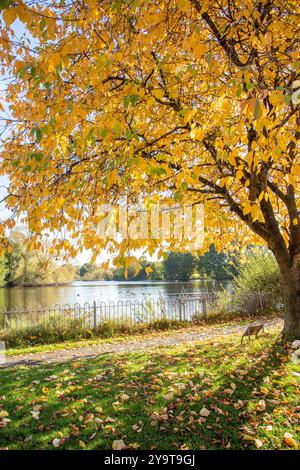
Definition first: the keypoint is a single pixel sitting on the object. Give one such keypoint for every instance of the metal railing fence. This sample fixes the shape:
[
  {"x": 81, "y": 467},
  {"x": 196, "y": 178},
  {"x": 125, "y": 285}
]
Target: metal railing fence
[{"x": 183, "y": 307}]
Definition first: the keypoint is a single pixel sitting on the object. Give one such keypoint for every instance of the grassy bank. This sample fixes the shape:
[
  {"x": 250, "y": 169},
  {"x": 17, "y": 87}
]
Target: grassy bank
[
  {"x": 148, "y": 332},
  {"x": 214, "y": 394},
  {"x": 53, "y": 332},
  {"x": 23, "y": 341}
]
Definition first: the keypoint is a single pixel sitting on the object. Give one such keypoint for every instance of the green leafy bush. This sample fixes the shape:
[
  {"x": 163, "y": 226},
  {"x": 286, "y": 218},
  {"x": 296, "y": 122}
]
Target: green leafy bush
[
  {"x": 257, "y": 287},
  {"x": 259, "y": 273}
]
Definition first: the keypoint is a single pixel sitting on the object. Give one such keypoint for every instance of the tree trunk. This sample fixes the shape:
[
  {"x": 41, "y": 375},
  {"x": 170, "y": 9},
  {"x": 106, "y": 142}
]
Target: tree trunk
[{"x": 291, "y": 329}]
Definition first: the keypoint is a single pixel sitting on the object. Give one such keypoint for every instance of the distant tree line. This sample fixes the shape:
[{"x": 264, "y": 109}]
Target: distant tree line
[
  {"x": 176, "y": 267},
  {"x": 20, "y": 266}
]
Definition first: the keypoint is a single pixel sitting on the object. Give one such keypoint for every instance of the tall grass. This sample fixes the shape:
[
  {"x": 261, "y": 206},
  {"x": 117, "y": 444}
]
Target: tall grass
[{"x": 51, "y": 331}]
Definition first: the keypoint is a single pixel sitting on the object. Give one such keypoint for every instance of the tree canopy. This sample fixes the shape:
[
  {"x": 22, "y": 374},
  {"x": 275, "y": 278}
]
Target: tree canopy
[
  {"x": 24, "y": 267},
  {"x": 183, "y": 100}
]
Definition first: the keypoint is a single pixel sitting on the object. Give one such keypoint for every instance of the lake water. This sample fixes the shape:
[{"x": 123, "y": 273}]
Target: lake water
[{"x": 81, "y": 292}]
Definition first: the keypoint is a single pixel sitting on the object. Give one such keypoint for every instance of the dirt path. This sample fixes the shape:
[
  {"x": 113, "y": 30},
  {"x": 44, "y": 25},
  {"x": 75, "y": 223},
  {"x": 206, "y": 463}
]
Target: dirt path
[{"x": 159, "y": 339}]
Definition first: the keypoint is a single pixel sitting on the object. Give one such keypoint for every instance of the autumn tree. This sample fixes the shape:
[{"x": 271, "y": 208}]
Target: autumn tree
[
  {"x": 194, "y": 101},
  {"x": 217, "y": 265},
  {"x": 22, "y": 267},
  {"x": 179, "y": 266}
]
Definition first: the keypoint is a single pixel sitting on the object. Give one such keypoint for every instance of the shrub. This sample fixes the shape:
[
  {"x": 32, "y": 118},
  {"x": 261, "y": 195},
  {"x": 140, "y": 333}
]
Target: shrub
[
  {"x": 259, "y": 273},
  {"x": 257, "y": 287}
]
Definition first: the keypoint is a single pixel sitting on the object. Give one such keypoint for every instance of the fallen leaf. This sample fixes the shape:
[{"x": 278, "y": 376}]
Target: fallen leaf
[
  {"x": 289, "y": 440},
  {"x": 110, "y": 420},
  {"x": 124, "y": 397},
  {"x": 261, "y": 406},
  {"x": 118, "y": 444},
  {"x": 56, "y": 442},
  {"x": 4, "y": 422},
  {"x": 204, "y": 412},
  {"x": 169, "y": 396},
  {"x": 89, "y": 417},
  {"x": 35, "y": 414},
  {"x": 258, "y": 443},
  {"x": 246, "y": 437},
  {"x": 134, "y": 445}
]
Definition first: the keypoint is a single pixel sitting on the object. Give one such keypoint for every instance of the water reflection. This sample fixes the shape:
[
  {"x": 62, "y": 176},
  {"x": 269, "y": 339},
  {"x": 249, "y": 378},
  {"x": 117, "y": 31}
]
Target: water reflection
[{"x": 89, "y": 291}]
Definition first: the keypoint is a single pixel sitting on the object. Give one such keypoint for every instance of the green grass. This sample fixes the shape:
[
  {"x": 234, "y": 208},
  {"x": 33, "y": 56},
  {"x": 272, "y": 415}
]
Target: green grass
[
  {"x": 64, "y": 345},
  {"x": 153, "y": 399},
  {"x": 26, "y": 332},
  {"x": 26, "y": 335},
  {"x": 142, "y": 331}
]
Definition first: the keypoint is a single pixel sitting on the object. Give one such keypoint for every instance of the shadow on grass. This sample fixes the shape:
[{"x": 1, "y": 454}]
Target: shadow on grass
[{"x": 151, "y": 400}]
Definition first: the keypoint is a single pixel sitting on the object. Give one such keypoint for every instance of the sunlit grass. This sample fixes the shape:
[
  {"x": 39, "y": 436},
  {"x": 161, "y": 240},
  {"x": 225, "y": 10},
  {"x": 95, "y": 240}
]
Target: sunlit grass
[
  {"x": 154, "y": 399},
  {"x": 116, "y": 337}
]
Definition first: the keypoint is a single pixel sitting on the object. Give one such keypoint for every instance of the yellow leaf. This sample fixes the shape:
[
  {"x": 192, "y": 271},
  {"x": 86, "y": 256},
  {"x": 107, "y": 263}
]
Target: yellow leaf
[
  {"x": 239, "y": 174},
  {"x": 9, "y": 16},
  {"x": 289, "y": 440},
  {"x": 158, "y": 93},
  {"x": 296, "y": 170},
  {"x": 134, "y": 445},
  {"x": 197, "y": 133},
  {"x": 246, "y": 437},
  {"x": 189, "y": 114},
  {"x": 247, "y": 209},
  {"x": 53, "y": 62},
  {"x": 148, "y": 269},
  {"x": 199, "y": 50}
]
